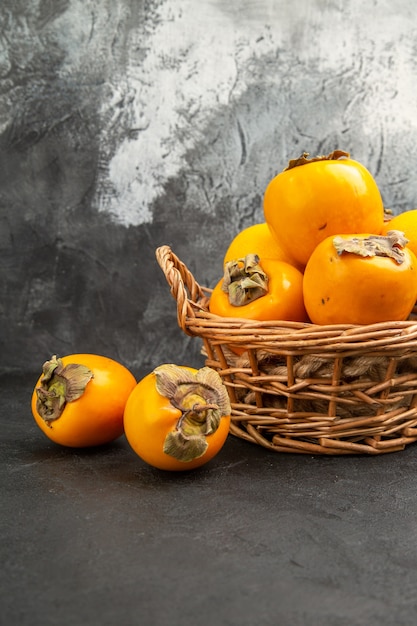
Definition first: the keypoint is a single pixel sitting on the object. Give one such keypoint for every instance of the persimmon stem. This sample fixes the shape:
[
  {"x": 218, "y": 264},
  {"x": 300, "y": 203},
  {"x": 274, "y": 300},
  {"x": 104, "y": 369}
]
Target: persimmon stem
[
  {"x": 194, "y": 413},
  {"x": 205, "y": 407},
  {"x": 391, "y": 245},
  {"x": 188, "y": 392},
  {"x": 60, "y": 385},
  {"x": 304, "y": 160},
  {"x": 244, "y": 280}
]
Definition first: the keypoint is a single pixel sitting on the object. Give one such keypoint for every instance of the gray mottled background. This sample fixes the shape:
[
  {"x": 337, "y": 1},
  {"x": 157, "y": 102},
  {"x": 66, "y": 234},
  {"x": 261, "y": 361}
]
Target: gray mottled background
[{"x": 127, "y": 124}]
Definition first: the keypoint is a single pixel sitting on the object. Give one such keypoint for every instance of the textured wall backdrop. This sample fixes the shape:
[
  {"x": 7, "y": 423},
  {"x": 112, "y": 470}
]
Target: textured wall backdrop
[{"x": 127, "y": 124}]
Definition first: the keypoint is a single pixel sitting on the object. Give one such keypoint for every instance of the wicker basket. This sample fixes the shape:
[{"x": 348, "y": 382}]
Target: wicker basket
[{"x": 304, "y": 388}]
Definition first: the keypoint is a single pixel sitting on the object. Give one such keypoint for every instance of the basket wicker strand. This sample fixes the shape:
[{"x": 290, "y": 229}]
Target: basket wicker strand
[{"x": 304, "y": 388}]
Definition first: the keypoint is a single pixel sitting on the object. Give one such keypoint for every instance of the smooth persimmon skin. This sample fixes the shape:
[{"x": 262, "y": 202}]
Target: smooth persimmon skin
[
  {"x": 284, "y": 300},
  {"x": 150, "y": 416},
  {"x": 96, "y": 418},
  {"x": 256, "y": 239},
  {"x": 306, "y": 204},
  {"x": 351, "y": 289}
]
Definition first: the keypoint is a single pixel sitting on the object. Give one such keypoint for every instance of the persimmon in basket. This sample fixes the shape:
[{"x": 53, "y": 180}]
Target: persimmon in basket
[
  {"x": 255, "y": 239},
  {"x": 259, "y": 289},
  {"x": 360, "y": 279},
  {"x": 315, "y": 198}
]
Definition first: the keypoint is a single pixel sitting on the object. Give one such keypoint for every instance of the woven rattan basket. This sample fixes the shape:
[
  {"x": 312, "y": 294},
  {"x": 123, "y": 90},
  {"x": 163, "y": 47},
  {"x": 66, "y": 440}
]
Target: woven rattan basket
[{"x": 304, "y": 388}]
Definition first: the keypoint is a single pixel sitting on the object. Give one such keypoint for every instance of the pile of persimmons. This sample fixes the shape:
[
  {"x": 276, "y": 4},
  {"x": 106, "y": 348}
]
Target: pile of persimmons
[{"x": 327, "y": 253}]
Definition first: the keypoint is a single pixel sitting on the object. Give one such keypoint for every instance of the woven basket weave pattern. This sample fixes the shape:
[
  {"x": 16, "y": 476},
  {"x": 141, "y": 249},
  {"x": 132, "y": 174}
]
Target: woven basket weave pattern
[{"x": 297, "y": 387}]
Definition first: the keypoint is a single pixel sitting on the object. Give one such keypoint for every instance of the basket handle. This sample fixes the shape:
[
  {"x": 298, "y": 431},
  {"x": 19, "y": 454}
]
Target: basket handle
[{"x": 183, "y": 286}]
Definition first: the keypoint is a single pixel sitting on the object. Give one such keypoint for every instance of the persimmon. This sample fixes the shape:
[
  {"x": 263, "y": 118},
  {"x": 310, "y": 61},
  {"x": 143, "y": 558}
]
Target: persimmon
[
  {"x": 405, "y": 222},
  {"x": 256, "y": 239},
  {"x": 315, "y": 198},
  {"x": 360, "y": 279},
  {"x": 177, "y": 418},
  {"x": 79, "y": 399},
  {"x": 259, "y": 289}
]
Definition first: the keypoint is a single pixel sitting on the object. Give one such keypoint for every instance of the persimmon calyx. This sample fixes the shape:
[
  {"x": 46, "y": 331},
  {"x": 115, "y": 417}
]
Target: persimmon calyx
[
  {"x": 60, "y": 385},
  {"x": 304, "y": 160},
  {"x": 391, "y": 245},
  {"x": 202, "y": 399},
  {"x": 244, "y": 280}
]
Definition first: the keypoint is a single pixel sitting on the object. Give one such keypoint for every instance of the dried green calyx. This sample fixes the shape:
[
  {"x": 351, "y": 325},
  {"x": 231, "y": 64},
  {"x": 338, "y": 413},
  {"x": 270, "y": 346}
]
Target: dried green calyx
[
  {"x": 244, "y": 280},
  {"x": 304, "y": 160},
  {"x": 202, "y": 399},
  {"x": 58, "y": 386},
  {"x": 391, "y": 245}
]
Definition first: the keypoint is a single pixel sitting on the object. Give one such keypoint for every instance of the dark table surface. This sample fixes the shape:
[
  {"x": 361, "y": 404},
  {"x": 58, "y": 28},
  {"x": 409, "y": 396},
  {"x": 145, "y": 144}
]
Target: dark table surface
[{"x": 252, "y": 538}]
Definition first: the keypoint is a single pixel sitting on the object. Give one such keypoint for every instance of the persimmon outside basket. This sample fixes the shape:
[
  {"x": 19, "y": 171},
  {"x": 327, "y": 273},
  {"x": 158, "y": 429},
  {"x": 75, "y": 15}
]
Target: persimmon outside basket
[{"x": 304, "y": 388}]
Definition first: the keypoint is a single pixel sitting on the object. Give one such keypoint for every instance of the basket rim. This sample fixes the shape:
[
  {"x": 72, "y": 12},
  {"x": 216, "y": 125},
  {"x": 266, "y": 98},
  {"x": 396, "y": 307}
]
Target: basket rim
[{"x": 195, "y": 318}]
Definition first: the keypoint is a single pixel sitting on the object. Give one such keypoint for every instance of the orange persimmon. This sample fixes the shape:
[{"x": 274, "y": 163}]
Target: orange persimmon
[
  {"x": 79, "y": 399},
  {"x": 256, "y": 239},
  {"x": 177, "y": 418},
  {"x": 360, "y": 279},
  {"x": 259, "y": 289},
  {"x": 315, "y": 198}
]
